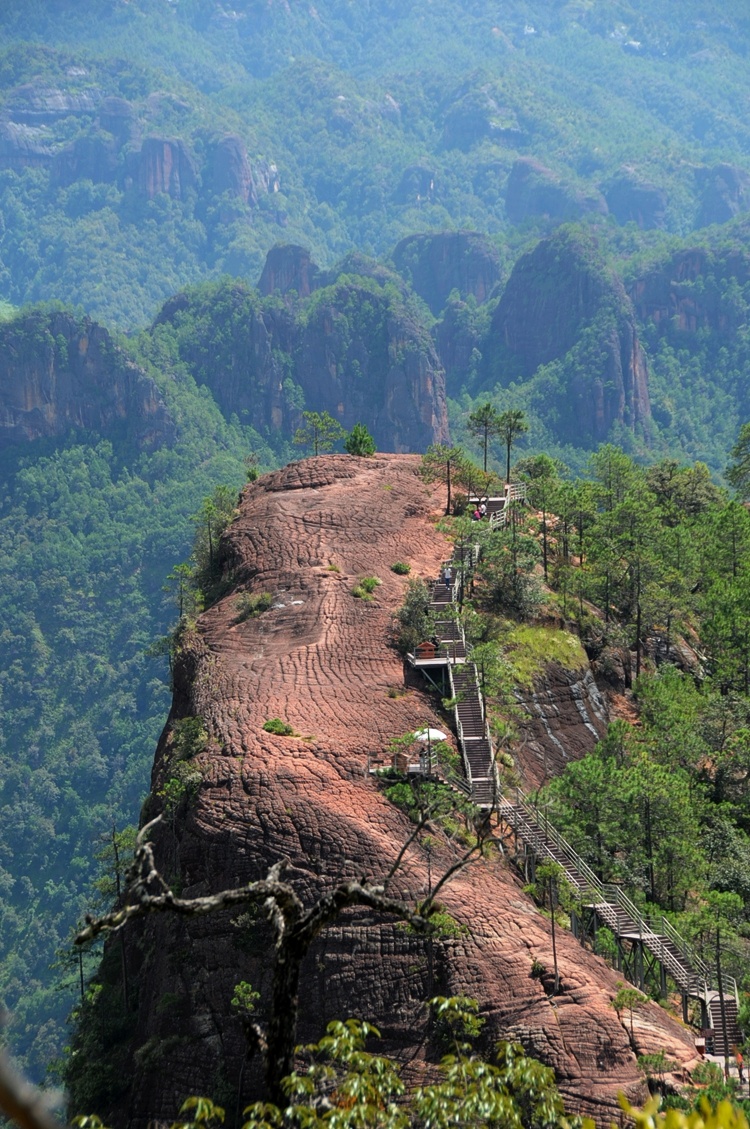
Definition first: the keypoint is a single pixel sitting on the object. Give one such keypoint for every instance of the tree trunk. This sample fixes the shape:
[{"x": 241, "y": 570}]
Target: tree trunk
[
  {"x": 448, "y": 480},
  {"x": 544, "y": 543}
]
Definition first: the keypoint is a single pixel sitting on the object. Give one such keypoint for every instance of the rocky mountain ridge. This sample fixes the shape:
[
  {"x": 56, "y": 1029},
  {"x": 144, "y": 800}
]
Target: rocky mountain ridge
[
  {"x": 322, "y": 660},
  {"x": 119, "y": 148},
  {"x": 343, "y": 343}
]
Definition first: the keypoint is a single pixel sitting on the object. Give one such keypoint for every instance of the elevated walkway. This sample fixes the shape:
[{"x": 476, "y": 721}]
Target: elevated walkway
[
  {"x": 446, "y": 652},
  {"x": 643, "y": 942}
]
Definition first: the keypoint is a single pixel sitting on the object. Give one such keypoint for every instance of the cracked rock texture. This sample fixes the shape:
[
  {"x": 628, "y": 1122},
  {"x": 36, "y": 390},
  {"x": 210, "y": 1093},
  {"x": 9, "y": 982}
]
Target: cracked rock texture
[{"x": 321, "y": 660}]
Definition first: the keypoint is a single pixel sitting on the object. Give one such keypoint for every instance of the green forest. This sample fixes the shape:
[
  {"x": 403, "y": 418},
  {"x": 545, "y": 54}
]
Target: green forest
[
  {"x": 90, "y": 530},
  {"x": 378, "y": 119},
  {"x": 607, "y": 142}
]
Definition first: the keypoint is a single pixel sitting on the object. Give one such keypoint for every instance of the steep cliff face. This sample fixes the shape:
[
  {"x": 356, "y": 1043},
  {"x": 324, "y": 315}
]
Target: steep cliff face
[
  {"x": 363, "y": 357},
  {"x": 110, "y": 147},
  {"x": 633, "y": 200},
  {"x": 564, "y": 715},
  {"x": 23, "y": 147},
  {"x": 535, "y": 191},
  {"x": 725, "y": 192},
  {"x": 562, "y": 304},
  {"x": 230, "y": 170},
  {"x": 35, "y": 104},
  {"x": 457, "y": 260},
  {"x": 353, "y": 349},
  {"x": 165, "y": 165},
  {"x": 58, "y": 373},
  {"x": 321, "y": 660},
  {"x": 288, "y": 267},
  {"x": 242, "y": 350},
  {"x": 93, "y": 157}
]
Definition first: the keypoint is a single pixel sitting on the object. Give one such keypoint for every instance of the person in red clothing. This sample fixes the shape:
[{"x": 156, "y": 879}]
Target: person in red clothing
[{"x": 740, "y": 1065}]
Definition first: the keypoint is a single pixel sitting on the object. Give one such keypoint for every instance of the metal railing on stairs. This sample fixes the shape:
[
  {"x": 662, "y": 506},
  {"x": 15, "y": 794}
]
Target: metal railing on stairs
[
  {"x": 608, "y": 901},
  {"x": 514, "y": 492},
  {"x": 690, "y": 972}
]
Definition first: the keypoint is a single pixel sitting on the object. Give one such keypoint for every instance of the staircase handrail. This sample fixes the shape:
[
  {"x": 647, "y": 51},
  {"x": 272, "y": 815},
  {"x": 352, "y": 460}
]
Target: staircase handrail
[
  {"x": 459, "y": 730},
  {"x": 682, "y": 966},
  {"x": 529, "y": 828},
  {"x": 700, "y": 967},
  {"x": 551, "y": 831},
  {"x": 459, "y": 782},
  {"x": 693, "y": 965}
]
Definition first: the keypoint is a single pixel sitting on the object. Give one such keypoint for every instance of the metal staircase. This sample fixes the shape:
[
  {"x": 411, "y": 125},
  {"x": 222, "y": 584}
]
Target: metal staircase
[
  {"x": 640, "y": 939},
  {"x": 644, "y": 942},
  {"x": 472, "y": 728}
]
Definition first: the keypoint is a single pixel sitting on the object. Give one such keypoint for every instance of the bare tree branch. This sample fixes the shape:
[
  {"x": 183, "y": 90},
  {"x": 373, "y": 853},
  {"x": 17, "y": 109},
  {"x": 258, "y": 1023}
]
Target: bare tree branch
[
  {"x": 474, "y": 852},
  {"x": 295, "y": 930},
  {"x": 423, "y": 821}
]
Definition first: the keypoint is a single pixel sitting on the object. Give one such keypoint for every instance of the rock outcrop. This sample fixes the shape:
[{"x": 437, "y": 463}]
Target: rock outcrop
[
  {"x": 95, "y": 157},
  {"x": 117, "y": 116},
  {"x": 322, "y": 661},
  {"x": 632, "y": 200},
  {"x": 230, "y": 170},
  {"x": 459, "y": 341},
  {"x": 352, "y": 349},
  {"x": 725, "y": 192},
  {"x": 32, "y": 104},
  {"x": 23, "y": 147},
  {"x": 559, "y": 294},
  {"x": 477, "y": 115},
  {"x": 288, "y": 267},
  {"x": 451, "y": 260},
  {"x": 366, "y": 359},
  {"x": 58, "y": 373},
  {"x": 564, "y": 717},
  {"x": 417, "y": 184},
  {"x": 687, "y": 292},
  {"x": 164, "y": 165},
  {"x": 535, "y": 192}
]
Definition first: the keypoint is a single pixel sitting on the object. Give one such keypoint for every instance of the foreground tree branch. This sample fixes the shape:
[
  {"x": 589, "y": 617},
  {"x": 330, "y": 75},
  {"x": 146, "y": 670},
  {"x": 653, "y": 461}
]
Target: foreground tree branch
[
  {"x": 21, "y": 1102},
  {"x": 295, "y": 929}
]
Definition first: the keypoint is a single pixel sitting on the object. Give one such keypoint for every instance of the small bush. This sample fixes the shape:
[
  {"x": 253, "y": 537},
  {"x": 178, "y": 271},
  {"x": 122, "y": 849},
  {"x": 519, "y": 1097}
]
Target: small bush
[
  {"x": 279, "y": 727},
  {"x": 414, "y": 623},
  {"x": 183, "y": 784},
  {"x": 365, "y": 587},
  {"x": 189, "y": 738},
  {"x": 401, "y": 568},
  {"x": 249, "y": 606}
]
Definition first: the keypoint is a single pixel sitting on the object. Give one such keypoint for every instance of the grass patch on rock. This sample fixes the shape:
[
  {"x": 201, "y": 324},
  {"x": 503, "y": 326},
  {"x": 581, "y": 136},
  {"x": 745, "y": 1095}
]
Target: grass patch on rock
[
  {"x": 528, "y": 650},
  {"x": 279, "y": 727},
  {"x": 365, "y": 587}
]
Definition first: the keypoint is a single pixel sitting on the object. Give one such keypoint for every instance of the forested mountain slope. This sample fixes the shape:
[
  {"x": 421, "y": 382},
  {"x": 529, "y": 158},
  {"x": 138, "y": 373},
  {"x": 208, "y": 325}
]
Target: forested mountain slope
[
  {"x": 149, "y": 144},
  {"x": 94, "y": 514}
]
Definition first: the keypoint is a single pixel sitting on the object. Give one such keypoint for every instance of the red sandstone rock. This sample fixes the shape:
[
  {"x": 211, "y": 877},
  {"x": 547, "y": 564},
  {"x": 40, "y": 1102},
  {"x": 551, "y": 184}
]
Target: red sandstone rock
[{"x": 321, "y": 660}]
